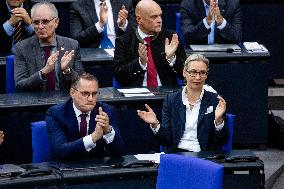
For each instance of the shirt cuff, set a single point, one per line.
(109, 137)
(224, 23)
(205, 23)
(219, 127)
(100, 30)
(9, 29)
(142, 66)
(123, 28)
(173, 61)
(156, 130)
(88, 143)
(30, 29)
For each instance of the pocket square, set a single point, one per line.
(209, 110)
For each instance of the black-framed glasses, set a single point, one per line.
(194, 73)
(43, 22)
(87, 94)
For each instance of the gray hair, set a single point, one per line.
(49, 5)
(196, 57)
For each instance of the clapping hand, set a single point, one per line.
(148, 116)
(171, 47)
(122, 16)
(220, 110)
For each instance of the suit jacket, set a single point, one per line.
(29, 59)
(5, 40)
(192, 12)
(83, 18)
(173, 123)
(64, 134)
(127, 70)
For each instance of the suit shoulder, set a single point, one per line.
(67, 39)
(24, 44)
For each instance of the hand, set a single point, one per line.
(103, 14)
(210, 16)
(97, 134)
(148, 117)
(142, 51)
(102, 120)
(218, 16)
(171, 47)
(122, 16)
(14, 20)
(22, 14)
(49, 66)
(1, 137)
(65, 60)
(220, 110)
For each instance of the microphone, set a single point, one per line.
(229, 50)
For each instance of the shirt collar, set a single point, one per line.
(184, 97)
(142, 34)
(78, 112)
(53, 43)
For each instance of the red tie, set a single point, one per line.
(151, 69)
(17, 33)
(83, 125)
(50, 84)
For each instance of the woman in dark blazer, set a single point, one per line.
(192, 119)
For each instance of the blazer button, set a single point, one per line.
(134, 73)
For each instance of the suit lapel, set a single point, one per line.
(37, 54)
(200, 9)
(205, 103)
(72, 122)
(181, 109)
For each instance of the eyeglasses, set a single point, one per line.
(43, 22)
(194, 73)
(87, 94)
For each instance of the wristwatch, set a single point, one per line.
(67, 72)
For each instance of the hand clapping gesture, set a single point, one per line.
(142, 51)
(66, 59)
(171, 47)
(148, 116)
(122, 16)
(103, 14)
(220, 110)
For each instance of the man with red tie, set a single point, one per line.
(46, 61)
(149, 56)
(82, 127)
(15, 23)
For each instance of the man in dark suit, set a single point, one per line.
(46, 61)
(83, 127)
(161, 58)
(199, 17)
(89, 20)
(14, 18)
(192, 119)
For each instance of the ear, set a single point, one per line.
(72, 92)
(184, 73)
(56, 22)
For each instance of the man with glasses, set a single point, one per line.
(83, 127)
(46, 61)
(15, 23)
(192, 119)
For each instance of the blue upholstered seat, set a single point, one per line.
(10, 81)
(40, 142)
(185, 172)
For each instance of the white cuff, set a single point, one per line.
(109, 137)
(155, 130)
(123, 28)
(224, 23)
(206, 24)
(100, 30)
(219, 127)
(88, 143)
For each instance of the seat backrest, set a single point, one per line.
(10, 81)
(184, 172)
(230, 123)
(178, 29)
(40, 142)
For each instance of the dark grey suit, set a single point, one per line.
(83, 18)
(192, 12)
(29, 60)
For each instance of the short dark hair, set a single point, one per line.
(83, 75)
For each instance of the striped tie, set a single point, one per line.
(17, 35)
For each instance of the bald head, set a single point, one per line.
(149, 16)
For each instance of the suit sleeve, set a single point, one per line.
(192, 30)
(233, 29)
(84, 33)
(117, 146)
(165, 134)
(125, 68)
(24, 81)
(62, 149)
